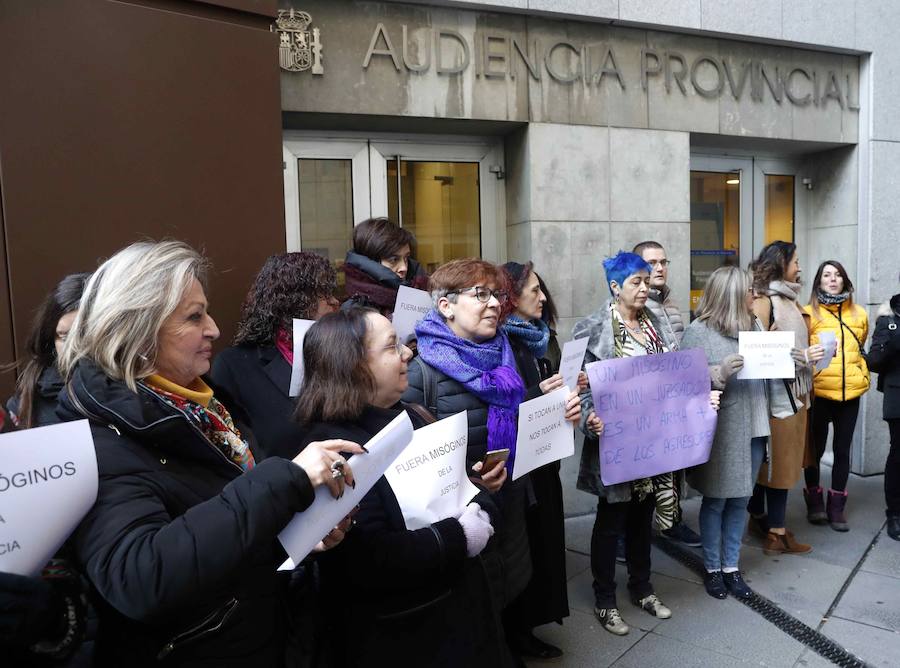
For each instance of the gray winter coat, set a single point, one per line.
(661, 305)
(729, 471)
(599, 327)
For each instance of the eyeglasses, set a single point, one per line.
(484, 294)
(398, 347)
(661, 263)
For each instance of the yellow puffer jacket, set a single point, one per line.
(847, 376)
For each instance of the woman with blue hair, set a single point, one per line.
(623, 327)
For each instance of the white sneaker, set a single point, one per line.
(654, 606)
(612, 621)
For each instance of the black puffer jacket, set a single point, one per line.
(509, 563)
(411, 597)
(181, 545)
(884, 356)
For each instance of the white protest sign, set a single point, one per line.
(301, 327)
(429, 478)
(571, 360)
(766, 354)
(411, 306)
(305, 531)
(544, 433)
(48, 483)
(828, 341)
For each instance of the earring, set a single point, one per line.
(451, 316)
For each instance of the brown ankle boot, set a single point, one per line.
(784, 544)
(815, 505)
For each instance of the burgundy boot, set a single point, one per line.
(836, 518)
(815, 505)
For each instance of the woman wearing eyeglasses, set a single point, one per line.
(393, 589)
(466, 363)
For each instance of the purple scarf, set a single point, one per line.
(486, 369)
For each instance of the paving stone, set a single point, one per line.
(871, 599)
(878, 647)
(723, 626)
(800, 585)
(884, 559)
(654, 650)
(584, 642)
(576, 564)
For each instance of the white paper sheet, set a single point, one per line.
(544, 433)
(301, 327)
(766, 354)
(571, 361)
(412, 305)
(305, 531)
(429, 478)
(829, 342)
(48, 483)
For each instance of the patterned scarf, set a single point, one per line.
(486, 369)
(213, 420)
(534, 334)
(627, 345)
(828, 298)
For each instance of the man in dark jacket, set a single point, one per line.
(884, 359)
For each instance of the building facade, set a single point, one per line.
(561, 132)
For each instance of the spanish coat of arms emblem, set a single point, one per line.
(299, 48)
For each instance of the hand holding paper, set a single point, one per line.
(305, 531)
(828, 342)
(545, 434)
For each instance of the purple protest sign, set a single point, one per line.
(656, 414)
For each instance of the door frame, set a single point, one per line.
(369, 153)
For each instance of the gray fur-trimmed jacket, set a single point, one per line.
(599, 327)
(660, 304)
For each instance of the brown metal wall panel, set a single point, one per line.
(7, 351)
(123, 121)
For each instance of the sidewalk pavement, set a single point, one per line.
(848, 588)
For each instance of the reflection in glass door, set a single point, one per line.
(326, 209)
(779, 207)
(439, 204)
(715, 226)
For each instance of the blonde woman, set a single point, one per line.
(180, 547)
(726, 480)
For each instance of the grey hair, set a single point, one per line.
(722, 304)
(451, 295)
(125, 303)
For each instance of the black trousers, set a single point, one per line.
(634, 520)
(842, 414)
(892, 471)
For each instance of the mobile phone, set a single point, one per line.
(493, 457)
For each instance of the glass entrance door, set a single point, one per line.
(447, 191)
(738, 206)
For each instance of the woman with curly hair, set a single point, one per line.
(256, 370)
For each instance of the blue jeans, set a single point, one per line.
(722, 521)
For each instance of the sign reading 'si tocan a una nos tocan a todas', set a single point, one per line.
(395, 59)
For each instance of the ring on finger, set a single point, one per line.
(336, 473)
